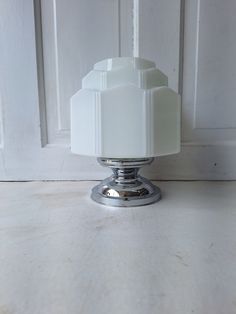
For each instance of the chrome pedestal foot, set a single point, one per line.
(125, 187)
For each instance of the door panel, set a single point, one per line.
(215, 92)
(76, 34)
(209, 111)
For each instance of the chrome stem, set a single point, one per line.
(125, 187)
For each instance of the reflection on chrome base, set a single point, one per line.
(125, 187)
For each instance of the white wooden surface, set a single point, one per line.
(191, 41)
(77, 34)
(62, 253)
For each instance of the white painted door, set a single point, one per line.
(47, 46)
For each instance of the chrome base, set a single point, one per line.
(125, 187)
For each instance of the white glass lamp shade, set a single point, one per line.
(125, 110)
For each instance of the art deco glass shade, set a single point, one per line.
(125, 110)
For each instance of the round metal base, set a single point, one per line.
(125, 188)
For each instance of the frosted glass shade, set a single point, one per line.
(125, 110)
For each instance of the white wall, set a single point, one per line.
(47, 46)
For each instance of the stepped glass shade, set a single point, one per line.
(125, 112)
